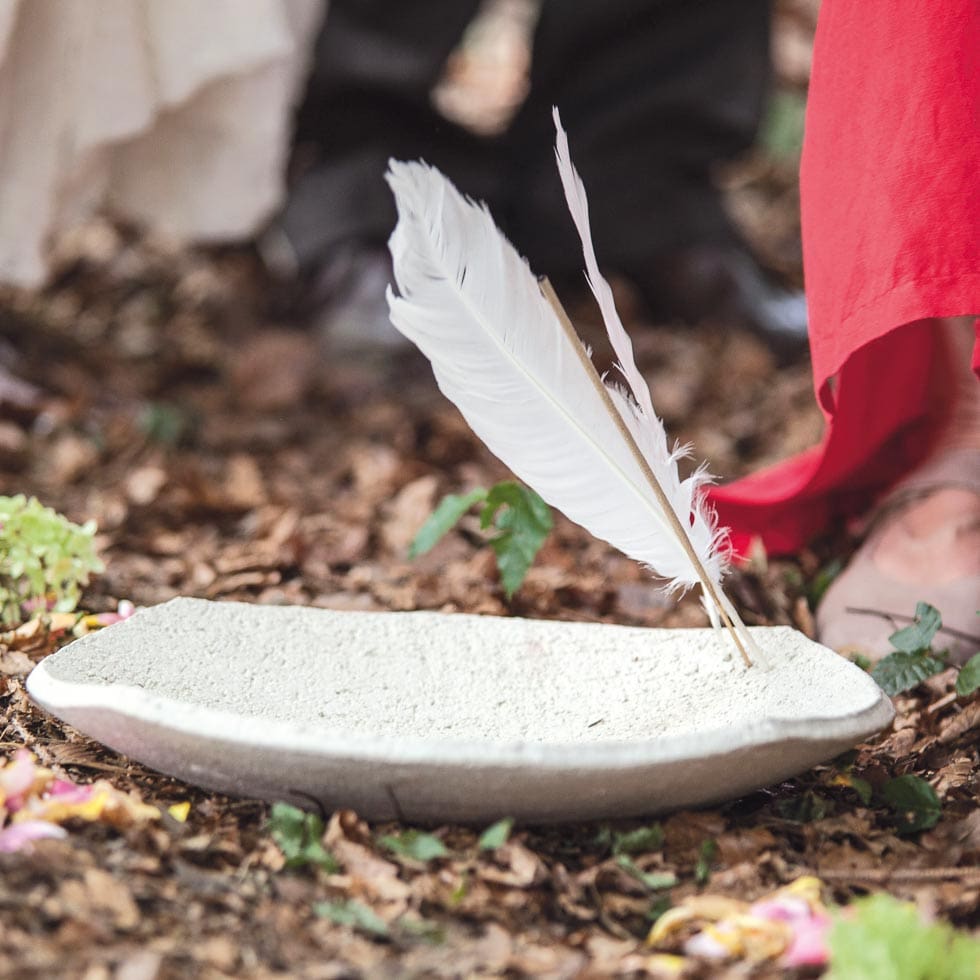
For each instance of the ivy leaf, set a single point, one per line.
(902, 671)
(524, 522)
(496, 835)
(416, 845)
(442, 520)
(915, 802)
(969, 677)
(919, 635)
(298, 835)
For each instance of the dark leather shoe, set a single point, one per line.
(724, 283)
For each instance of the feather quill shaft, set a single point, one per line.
(501, 353)
(578, 206)
(713, 594)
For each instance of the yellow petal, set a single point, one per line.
(665, 964)
(807, 888)
(711, 908)
(180, 811)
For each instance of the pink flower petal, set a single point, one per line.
(782, 909)
(19, 836)
(809, 945)
(65, 791)
(124, 610)
(16, 779)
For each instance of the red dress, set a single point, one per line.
(890, 191)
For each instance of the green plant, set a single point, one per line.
(652, 880)
(642, 840)
(968, 679)
(881, 937)
(521, 517)
(44, 559)
(299, 836)
(414, 844)
(165, 423)
(914, 801)
(496, 835)
(914, 659)
(707, 853)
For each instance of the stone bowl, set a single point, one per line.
(429, 717)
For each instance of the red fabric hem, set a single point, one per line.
(906, 302)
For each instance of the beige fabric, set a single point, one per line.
(175, 113)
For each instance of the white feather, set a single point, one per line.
(578, 206)
(500, 353)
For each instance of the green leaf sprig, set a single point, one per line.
(914, 801)
(415, 845)
(522, 520)
(914, 659)
(299, 836)
(45, 559)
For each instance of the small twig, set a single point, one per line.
(393, 800)
(97, 766)
(896, 618)
(941, 703)
(882, 876)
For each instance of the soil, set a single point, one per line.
(228, 455)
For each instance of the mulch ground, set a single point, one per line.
(228, 455)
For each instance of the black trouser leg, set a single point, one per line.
(368, 99)
(653, 94)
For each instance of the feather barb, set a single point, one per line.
(706, 583)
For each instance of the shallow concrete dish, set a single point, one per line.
(432, 717)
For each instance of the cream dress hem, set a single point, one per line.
(173, 113)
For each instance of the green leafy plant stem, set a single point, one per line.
(521, 518)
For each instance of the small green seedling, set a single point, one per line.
(299, 836)
(642, 840)
(45, 559)
(654, 881)
(915, 803)
(521, 518)
(496, 835)
(414, 844)
(707, 853)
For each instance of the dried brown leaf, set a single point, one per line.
(513, 865)
(960, 723)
